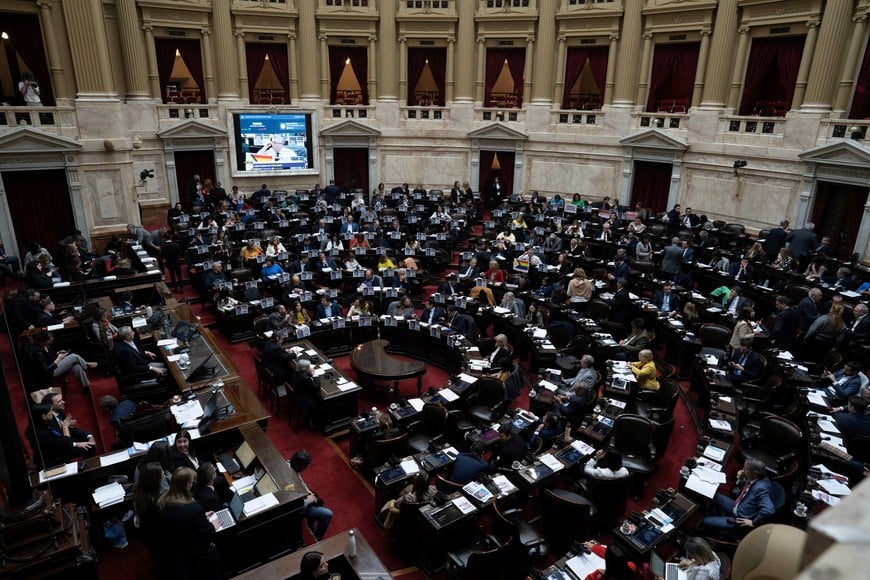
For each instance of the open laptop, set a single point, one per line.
(230, 515)
(666, 570)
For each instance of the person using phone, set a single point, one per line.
(29, 90)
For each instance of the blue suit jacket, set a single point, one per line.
(751, 368)
(850, 387)
(757, 504)
(853, 424)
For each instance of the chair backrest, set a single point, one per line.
(714, 335)
(514, 384)
(261, 324)
(433, 418)
(610, 497)
(444, 485)
(380, 450)
(489, 564)
(779, 435)
(667, 395)
(490, 392)
(565, 518)
(597, 309)
(662, 435)
(632, 434)
(147, 427)
(796, 292)
(560, 335)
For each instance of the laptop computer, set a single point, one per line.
(666, 570)
(230, 515)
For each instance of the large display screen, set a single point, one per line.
(273, 143)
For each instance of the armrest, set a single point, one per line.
(782, 459)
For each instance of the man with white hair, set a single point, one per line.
(131, 360)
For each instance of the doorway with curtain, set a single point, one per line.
(188, 164)
(837, 213)
(351, 168)
(496, 164)
(650, 185)
(40, 208)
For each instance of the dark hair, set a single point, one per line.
(41, 409)
(746, 342)
(784, 300)
(745, 313)
(638, 323)
(310, 563)
(300, 460)
(205, 473)
(158, 453)
(699, 550)
(612, 460)
(616, 563)
(420, 486)
(148, 487)
(478, 447)
(858, 403)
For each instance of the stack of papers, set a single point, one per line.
(550, 461)
(108, 494)
(409, 466)
(478, 491)
(504, 485)
(834, 487)
(816, 398)
(585, 564)
(583, 447)
(827, 498)
(187, 412)
(463, 504)
(261, 503)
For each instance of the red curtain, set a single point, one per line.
(40, 207)
(771, 72)
(575, 62)
(673, 73)
(255, 60)
(417, 58)
(165, 49)
(506, 161)
(192, 57)
(861, 99)
(652, 181)
(25, 38)
(280, 62)
(837, 212)
(351, 167)
(495, 59)
(338, 55)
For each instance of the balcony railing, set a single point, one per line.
(425, 113)
(844, 129)
(660, 120)
(349, 111)
(577, 118)
(58, 120)
(500, 114)
(773, 126)
(187, 111)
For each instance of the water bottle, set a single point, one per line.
(350, 552)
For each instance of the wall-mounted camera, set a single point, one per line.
(739, 164)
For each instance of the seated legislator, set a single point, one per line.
(503, 351)
(433, 314)
(401, 307)
(606, 465)
(187, 531)
(58, 442)
(277, 360)
(271, 269)
(51, 364)
(636, 341)
(853, 421)
(511, 447)
(847, 381)
(299, 315)
(214, 277)
(131, 360)
(314, 566)
(752, 505)
(328, 308)
(645, 371)
(574, 406)
(666, 301)
(118, 411)
(701, 562)
(470, 464)
(316, 515)
(449, 286)
(461, 323)
(745, 364)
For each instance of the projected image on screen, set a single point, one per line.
(273, 142)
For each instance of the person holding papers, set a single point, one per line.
(617, 566)
(645, 371)
(316, 516)
(700, 563)
(187, 535)
(752, 505)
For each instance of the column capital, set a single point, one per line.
(323, 37)
(613, 36)
(481, 39)
(706, 31)
(205, 32)
(291, 36)
(403, 39)
(451, 40)
(44, 3)
(530, 39)
(744, 29)
(647, 35)
(373, 37)
(148, 27)
(859, 18)
(813, 23)
(563, 39)
(239, 33)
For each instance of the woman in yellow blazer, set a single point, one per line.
(645, 371)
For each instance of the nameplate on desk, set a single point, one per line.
(303, 331)
(413, 324)
(105, 278)
(170, 342)
(54, 327)
(58, 472)
(259, 504)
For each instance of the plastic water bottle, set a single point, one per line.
(350, 552)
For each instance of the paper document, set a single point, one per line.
(467, 378)
(478, 491)
(550, 461)
(186, 412)
(71, 469)
(714, 453)
(448, 395)
(409, 466)
(463, 504)
(113, 458)
(834, 487)
(109, 494)
(170, 342)
(583, 447)
(709, 475)
(585, 564)
(261, 503)
(417, 403)
(702, 487)
(348, 386)
(504, 484)
(816, 398)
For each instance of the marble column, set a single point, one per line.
(722, 58)
(465, 45)
(242, 56)
(627, 67)
(528, 67)
(610, 78)
(703, 54)
(324, 68)
(404, 91)
(561, 57)
(844, 91)
(373, 69)
(293, 67)
(645, 63)
(311, 81)
(132, 51)
(227, 62)
(387, 48)
(449, 89)
(828, 57)
(89, 48)
(58, 81)
(546, 39)
(151, 52)
(207, 67)
(800, 86)
(481, 70)
(739, 68)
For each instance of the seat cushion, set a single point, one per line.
(637, 464)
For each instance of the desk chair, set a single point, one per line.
(487, 402)
(485, 559)
(658, 405)
(714, 336)
(529, 545)
(565, 517)
(633, 438)
(276, 391)
(777, 445)
(380, 450)
(432, 424)
(610, 498)
(446, 486)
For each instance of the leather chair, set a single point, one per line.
(859, 448)
(529, 545)
(777, 445)
(515, 383)
(261, 373)
(659, 405)
(380, 450)
(714, 336)
(241, 274)
(610, 497)
(767, 397)
(446, 486)
(662, 434)
(276, 391)
(565, 517)
(597, 310)
(140, 386)
(147, 427)
(633, 437)
(796, 292)
(432, 423)
(485, 559)
(487, 402)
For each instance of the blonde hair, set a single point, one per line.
(183, 479)
(580, 273)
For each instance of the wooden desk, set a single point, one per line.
(65, 295)
(365, 565)
(371, 361)
(679, 507)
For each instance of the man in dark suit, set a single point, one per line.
(461, 323)
(752, 505)
(620, 305)
(307, 389)
(577, 404)
(303, 264)
(858, 330)
(433, 313)
(775, 241)
(371, 280)
(331, 192)
(846, 382)
(787, 325)
(131, 360)
(690, 220)
(204, 491)
(58, 405)
(450, 286)
(512, 447)
(55, 445)
(277, 360)
(672, 258)
(674, 221)
(801, 242)
(808, 308)
(745, 364)
(469, 465)
(688, 252)
(735, 301)
(328, 308)
(854, 420)
(666, 301)
(742, 271)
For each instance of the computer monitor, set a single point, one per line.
(245, 454)
(266, 485)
